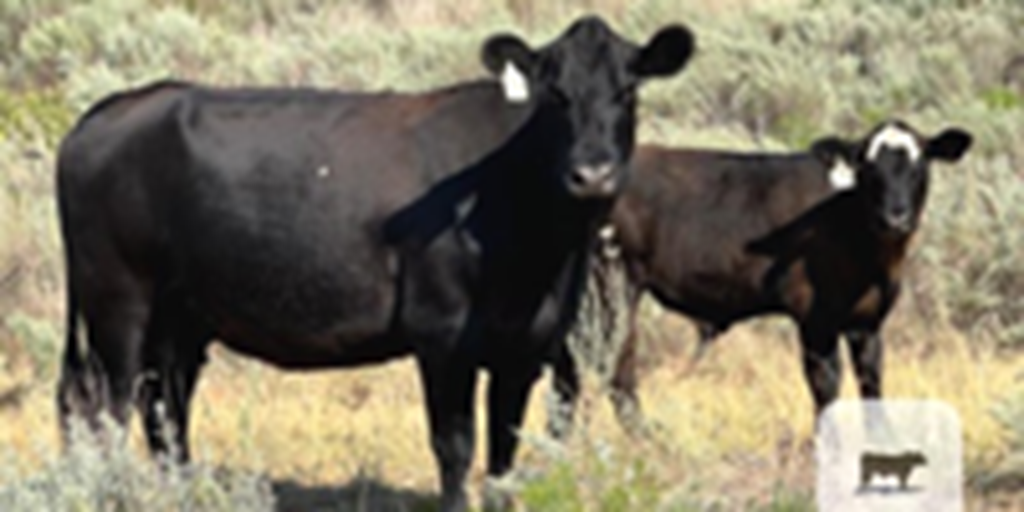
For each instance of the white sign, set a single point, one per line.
(889, 455)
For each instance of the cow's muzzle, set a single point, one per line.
(595, 180)
(901, 222)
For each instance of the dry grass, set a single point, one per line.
(341, 439)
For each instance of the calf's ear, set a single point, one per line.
(949, 145)
(831, 149)
(666, 53)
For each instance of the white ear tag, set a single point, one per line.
(841, 176)
(514, 84)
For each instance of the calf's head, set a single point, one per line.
(891, 169)
(585, 84)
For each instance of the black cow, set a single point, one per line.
(317, 229)
(722, 237)
(900, 465)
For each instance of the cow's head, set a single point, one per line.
(915, 458)
(890, 169)
(585, 83)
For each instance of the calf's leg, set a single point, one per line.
(624, 385)
(866, 354)
(821, 364)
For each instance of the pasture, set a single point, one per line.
(731, 432)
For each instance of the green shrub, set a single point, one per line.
(1008, 472)
(101, 474)
(38, 338)
(597, 480)
(557, 491)
(786, 500)
(34, 115)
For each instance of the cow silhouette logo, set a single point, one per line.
(883, 465)
(889, 456)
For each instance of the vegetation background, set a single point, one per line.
(770, 74)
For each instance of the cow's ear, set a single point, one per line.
(510, 59)
(949, 145)
(832, 149)
(666, 53)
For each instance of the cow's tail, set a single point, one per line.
(71, 365)
(73, 358)
(81, 391)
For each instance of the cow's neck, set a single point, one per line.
(892, 254)
(536, 200)
(527, 220)
(887, 251)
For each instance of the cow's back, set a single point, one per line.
(103, 205)
(268, 208)
(688, 218)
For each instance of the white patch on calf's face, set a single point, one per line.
(517, 90)
(841, 176)
(894, 137)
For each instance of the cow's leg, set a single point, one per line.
(821, 364)
(866, 354)
(567, 390)
(624, 384)
(449, 380)
(174, 354)
(165, 405)
(625, 380)
(507, 397)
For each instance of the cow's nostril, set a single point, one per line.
(577, 178)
